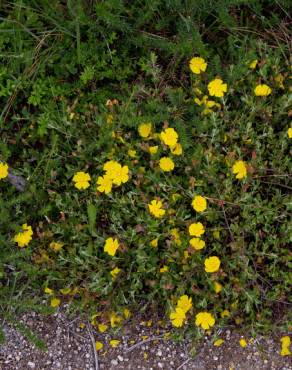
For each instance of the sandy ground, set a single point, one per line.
(70, 347)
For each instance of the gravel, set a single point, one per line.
(70, 347)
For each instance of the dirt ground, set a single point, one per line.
(142, 346)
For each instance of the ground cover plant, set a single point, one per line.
(145, 158)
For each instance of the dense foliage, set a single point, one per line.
(77, 81)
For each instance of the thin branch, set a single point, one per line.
(184, 363)
(93, 347)
(143, 342)
(227, 223)
(276, 184)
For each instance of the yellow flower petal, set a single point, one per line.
(114, 343)
(55, 302)
(218, 342)
(98, 345)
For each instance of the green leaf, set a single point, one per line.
(91, 213)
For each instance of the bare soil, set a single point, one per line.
(70, 347)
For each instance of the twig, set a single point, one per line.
(218, 200)
(276, 184)
(227, 223)
(184, 363)
(143, 342)
(94, 348)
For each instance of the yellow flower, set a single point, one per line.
(175, 233)
(164, 269)
(81, 180)
(217, 88)
(111, 246)
(115, 272)
(218, 342)
(55, 302)
(225, 313)
(122, 175)
(102, 328)
(216, 234)
(65, 291)
(23, 238)
(177, 149)
(175, 197)
(155, 208)
(279, 80)
(285, 341)
(262, 90)
(217, 287)
(3, 170)
(197, 243)
(239, 168)
(153, 149)
(169, 136)
(198, 65)
(93, 317)
(111, 168)
(154, 243)
(199, 203)
(166, 164)
(185, 303)
(196, 229)
(205, 320)
(132, 153)
(126, 313)
(145, 129)
(242, 343)
(115, 319)
(177, 317)
(198, 91)
(212, 264)
(56, 246)
(289, 133)
(109, 119)
(198, 101)
(98, 345)
(114, 343)
(104, 184)
(253, 64)
(48, 290)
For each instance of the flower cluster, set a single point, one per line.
(24, 237)
(115, 174)
(178, 316)
(196, 230)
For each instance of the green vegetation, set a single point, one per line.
(77, 80)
